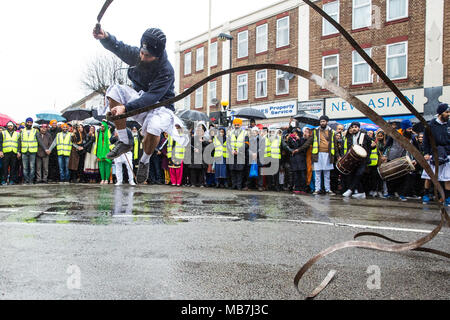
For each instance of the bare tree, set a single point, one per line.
(104, 71)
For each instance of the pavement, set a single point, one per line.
(75, 242)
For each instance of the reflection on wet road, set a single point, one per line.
(103, 205)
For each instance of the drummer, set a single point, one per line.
(404, 185)
(355, 137)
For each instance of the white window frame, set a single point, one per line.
(396, 18)
(187, 66)
(280, 74)
(199, 98)
(258, 81)
(279, 30)
(329, 67)
(354, 55)
(242, 84)
(242, 42)
(200, 59)
(387, 59)
(212, 93)
(266, 40)
(187, 101)
(353, 15)
(325, 22)
(213, 55)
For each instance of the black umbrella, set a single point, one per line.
(418, 126)
(42, 121)
(131, 124)
(308, 119)
(250, 113)
(193, 115)
(77, 114)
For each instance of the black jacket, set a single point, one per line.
(441, 135)
(298, 160)
(157, 83)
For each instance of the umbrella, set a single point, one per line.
(250, 113)
(42, 121)
(418, 126)
(333, 124)
(131, 124)
(308, 119)
(369, 127)
(91, 122)
(4, 119)
(77, 114)
(193, 115)
(50, 115)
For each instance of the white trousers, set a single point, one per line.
(326, 178)
(119, 162)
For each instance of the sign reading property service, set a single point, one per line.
(385, 104)
(274, 110)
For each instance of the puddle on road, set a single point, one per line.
(102, 206)
(87, 204)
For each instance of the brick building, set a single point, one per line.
(406, 38)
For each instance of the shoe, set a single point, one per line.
(359, 196)
(118, 150)
(373, 194)
(4, 183)
(260, 189)
(402, 198)
(414, 198)
(11, 183)
(118, 184)
(331, 193)
(132, 183)
(347, 193)
(380, 194)
(316, 193)
(447, 202)
(142, 172)
(426, 199)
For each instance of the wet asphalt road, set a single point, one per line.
(106, 242)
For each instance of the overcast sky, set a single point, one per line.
(46, 44)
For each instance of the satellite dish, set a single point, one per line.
(215, 101)
(288, 76)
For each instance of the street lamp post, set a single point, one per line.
(225, 37)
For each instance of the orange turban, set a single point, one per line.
(53, 121)
(237, 121)
(64, 125)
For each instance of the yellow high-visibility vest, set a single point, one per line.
(220, 150)
(237, 142)
(275, 150)
(64, 144)
(29, 141)
(267, 153)
(374, 158)
(136, 148)
(315, 149)
(179, 150)
(10, 142)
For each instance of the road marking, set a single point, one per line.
(9, 210)
(50, 213)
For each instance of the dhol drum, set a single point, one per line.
(351, 160)
(396, 168)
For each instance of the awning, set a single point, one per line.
(367, 120)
